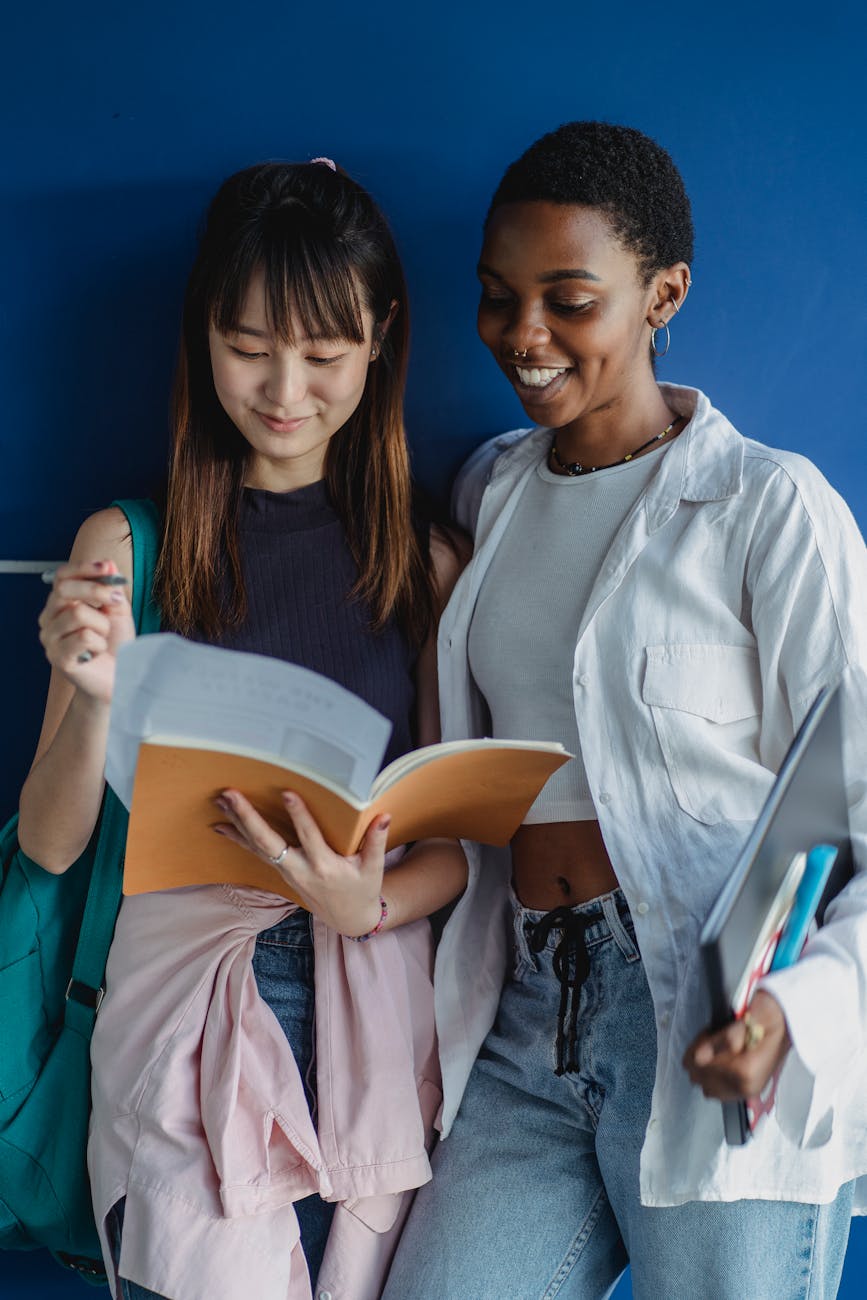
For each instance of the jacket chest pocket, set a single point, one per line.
(706, 703)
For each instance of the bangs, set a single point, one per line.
(310, 285)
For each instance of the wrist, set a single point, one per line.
(382, 915)
(92, 709)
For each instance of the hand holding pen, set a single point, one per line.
(86, 617)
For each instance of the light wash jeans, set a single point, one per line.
(535, 1191)
(283, 966)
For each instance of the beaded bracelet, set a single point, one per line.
(363, 938)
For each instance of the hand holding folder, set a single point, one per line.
(787, 949)
(797, 857)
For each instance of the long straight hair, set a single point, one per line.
(326, 254)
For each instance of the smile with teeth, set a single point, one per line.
(537, 377)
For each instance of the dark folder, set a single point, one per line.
(806, 806)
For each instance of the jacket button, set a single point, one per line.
(605, 797)
(642, 909)
(584, 679)
(323, 1295)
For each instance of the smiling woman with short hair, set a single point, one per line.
(666, 598)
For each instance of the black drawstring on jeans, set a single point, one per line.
(573, 926)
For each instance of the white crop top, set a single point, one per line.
(525, 623)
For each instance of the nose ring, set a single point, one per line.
(522, 355)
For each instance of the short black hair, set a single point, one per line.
(619, 171)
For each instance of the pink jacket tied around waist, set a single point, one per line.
(199, 1113)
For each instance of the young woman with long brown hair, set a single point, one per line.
(289, 530)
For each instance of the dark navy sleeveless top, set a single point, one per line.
(299, 572)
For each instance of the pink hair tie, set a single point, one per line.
(327, 161)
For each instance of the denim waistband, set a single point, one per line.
(294, 931)
(603, 917)
(568, 935)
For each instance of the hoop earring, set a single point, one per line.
(653, 348)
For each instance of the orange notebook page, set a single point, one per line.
(481, 794)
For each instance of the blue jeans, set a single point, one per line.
(535, 1193)
(283, 966)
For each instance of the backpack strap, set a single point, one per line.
(145, 529)
(85, 990)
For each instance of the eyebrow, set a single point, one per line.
(549, 277)
(248, 329)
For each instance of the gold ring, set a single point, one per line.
(754, 1032)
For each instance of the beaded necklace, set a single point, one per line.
(574, 468)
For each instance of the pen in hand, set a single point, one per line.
(104, 579)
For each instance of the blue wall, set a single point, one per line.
(119, 120)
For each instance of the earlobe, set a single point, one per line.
(376, 345)
(655, 350)
(670, 290)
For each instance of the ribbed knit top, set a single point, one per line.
(525, 624)
(299, 572)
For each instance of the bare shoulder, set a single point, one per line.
(450, 552)
(104, 536)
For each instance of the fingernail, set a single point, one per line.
(289, 798)
(99, 565)
(117, 598)
(385, 821)
(222, 803)
(219, 830)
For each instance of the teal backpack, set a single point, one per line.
(55, 933)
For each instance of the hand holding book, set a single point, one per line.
(190, 722)
(732, 1065)
(344, 892)
(797, 857)
(741, 1062)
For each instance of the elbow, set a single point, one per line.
(53, 868)
(42, 855)
(38, 847)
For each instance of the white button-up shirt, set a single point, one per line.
(735, 589)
